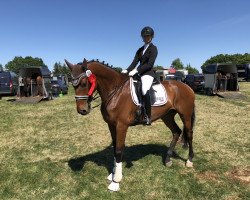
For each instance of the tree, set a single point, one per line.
(1, 67)
(226, 58)
(119, 69)
(61, 69)
(158, 67)
(177, 64)
(18, 62)
(191, 70)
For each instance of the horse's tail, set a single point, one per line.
(193, 118)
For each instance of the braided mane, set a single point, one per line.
(97, 60)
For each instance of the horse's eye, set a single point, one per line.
(84, 84)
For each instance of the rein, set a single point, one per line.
(112, 94)
(94, 98)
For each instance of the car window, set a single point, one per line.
(4, 77)
(189, 78)
(60, 82)
(54, 82)
(199, 78)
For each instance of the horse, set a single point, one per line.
(27, 86)
(39, 81)
(119, 111)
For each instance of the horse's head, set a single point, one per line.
(81, 85)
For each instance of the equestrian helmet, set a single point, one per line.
(147, 31)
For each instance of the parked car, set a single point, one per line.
(59, 86)
(8, 83)
(173, 77)
(195, 81)
(63, 77)
(243, 72)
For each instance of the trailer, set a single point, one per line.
(222, 80)
(34, 84)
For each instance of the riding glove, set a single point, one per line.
(124, 71)
(133, 72)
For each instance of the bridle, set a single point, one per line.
(75, 82)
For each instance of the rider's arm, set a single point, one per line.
(135, 61)
(149, 65)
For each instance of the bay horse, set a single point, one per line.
(119, 111)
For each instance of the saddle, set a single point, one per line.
(158, 95)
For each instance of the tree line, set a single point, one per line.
(227, 58)
(177, 64)
(18, 62)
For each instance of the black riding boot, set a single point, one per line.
(147, 109)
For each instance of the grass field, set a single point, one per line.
(48, 151)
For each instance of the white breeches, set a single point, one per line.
(146, 83)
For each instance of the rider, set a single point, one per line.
(146, 55)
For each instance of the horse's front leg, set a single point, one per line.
(121, 130)
(112, 130)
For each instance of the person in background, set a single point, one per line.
(218, 78)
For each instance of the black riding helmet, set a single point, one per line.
(146, 31)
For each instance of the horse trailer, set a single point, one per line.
(34, 84)
(220, 78)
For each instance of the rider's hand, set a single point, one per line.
(133, 72)
(124, 71)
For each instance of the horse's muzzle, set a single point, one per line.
(83, 112)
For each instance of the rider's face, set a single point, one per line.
(147, 39)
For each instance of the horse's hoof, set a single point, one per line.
(169, 163)
(189, 164)
(114, 187)
(110, 177)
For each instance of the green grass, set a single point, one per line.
(48, 151)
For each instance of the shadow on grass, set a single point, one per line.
(132, 153)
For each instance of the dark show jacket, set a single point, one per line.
(146, 61)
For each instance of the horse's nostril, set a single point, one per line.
(82, 112)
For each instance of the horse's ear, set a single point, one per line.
(84, 64)
(70, 66)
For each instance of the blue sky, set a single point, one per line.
(192, 30)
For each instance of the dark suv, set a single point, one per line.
(58, 87)
(8, 84)
(195, 81)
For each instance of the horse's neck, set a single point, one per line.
(107, 79)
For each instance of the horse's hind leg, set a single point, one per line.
(188, 136)
(169, 121)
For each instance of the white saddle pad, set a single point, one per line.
(160, 94)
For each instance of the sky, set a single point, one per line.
(192, 30)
